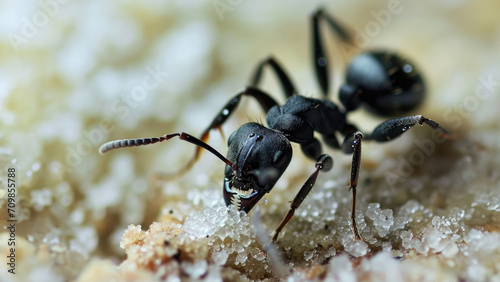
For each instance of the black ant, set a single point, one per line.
(257, 155)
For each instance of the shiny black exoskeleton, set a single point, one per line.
(257, 155)
(256, 169)
(382, 82)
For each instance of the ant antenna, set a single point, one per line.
(147, 141)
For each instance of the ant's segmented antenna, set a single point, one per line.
(146, 141)
(129, 143)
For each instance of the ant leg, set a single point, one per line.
(283, 78)
(352, 144)
(335, 26)
(265, 101)
(331, 141)
(325, 163)
(312, 150)
(319, 56)
(320, 59)
(393, 128)
(386, 131)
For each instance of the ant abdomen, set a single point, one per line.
(382, 82)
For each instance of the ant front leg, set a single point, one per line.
(265, 101)
(283, 78)
(325, 163)
(352, 144)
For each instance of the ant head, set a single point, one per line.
(259, 156)
(383, 82)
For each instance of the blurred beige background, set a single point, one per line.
(75, 74)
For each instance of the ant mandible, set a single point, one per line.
(380, 81)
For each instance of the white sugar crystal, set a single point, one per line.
(406, 237)
(410, 208)
(194, 269)
(104, 194)
(207, 198)
(450, 250)
(436, 240)
(386, 246)
(474, 236)
(258, 254)
(308, 255)
(53, 238)
(331, 252)
(241, 258)
(382, 219)
(420, 246)
(483, 243)
(41, 198)
(48, 274)
(384, 267)
(213, 273)
(354, 247)
(206, 223)
(400, 222)
(476, 272)
(373, 210)
(220, 258)
(77, 216)
(197, 226)
(64, 194)
(456, 215)
(385, 219)
(340, 269)
(360, 221)
(85, 241)
(245, 241)
(238, 248)
(264, 201)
